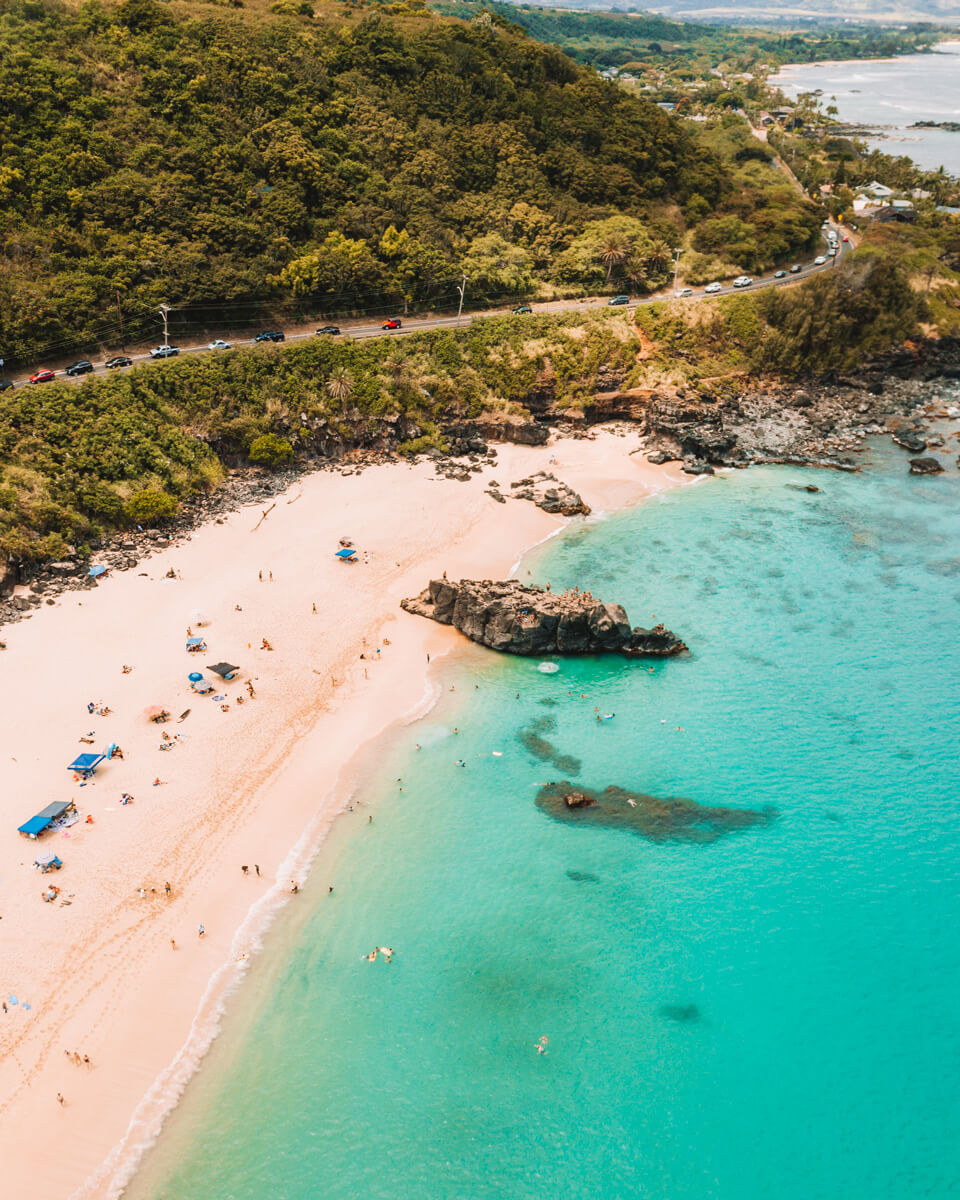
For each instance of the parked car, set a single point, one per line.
(819, 260)
(270, 335)
(219, 344)
(619, 300)
(120, 360)
(332, 330)
(796, 268)
(742, 281)
(846, 237)
(164, 351)
(779, 274)
(81, 367)
(519, 309)
(712, 288)
(6, 385)
(684, 292)
(42, 376)
(391, 323)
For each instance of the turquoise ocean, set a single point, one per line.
(731, 1013)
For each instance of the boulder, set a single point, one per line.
(518, 619)
(925, 466)
(910, 441)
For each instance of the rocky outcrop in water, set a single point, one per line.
(925, 466)
(517, 619)
(670, 819)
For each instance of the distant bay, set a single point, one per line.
(892, 93)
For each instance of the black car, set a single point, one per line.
(618, 300)
(779, 274)
(271, 335)
(522, 308)
(6, 385)
(81, 367)
(796, 268)
(332, 330)
(120, 361)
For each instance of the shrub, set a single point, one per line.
(268, 450)
(151, 507)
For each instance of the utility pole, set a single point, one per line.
(123, 344)
(461, 288)
(164, 310)
(676, 269)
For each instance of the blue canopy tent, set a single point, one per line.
(96, 571)
(195, 644)
(39, 823)
(86, 764)
(346, 555)
(34, 826)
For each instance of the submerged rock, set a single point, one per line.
(670, 819)
(686, 1014)
(532, 740)
(518, 619)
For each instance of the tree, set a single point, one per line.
(615, 253)
(268, 450)
(494, 265)
(340, 266)
(340, 386)
(151, 507)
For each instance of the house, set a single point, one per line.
(920, 194)
(865, 205)
(901, 205)
(878, 191)
(889, 213)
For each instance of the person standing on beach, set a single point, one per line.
(256, 867)
(60, 1099)
(200, 930)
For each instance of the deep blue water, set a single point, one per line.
(768, 1014)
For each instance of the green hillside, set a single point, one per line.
(241, 165)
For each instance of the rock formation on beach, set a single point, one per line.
(518, 619)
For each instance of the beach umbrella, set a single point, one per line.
(198, 617)
(195, 676)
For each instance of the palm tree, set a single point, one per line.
(614, 253)
(660, 255)
(340, 386)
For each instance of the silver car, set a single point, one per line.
(712, 288)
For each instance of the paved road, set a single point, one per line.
(362, 329)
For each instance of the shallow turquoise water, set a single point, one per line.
(771, 1014)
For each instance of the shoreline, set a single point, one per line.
(100, 975)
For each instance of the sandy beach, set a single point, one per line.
(114, 968)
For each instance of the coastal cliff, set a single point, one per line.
(518, 619)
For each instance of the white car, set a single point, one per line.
(742, 281)
(833, 251)
(712, 288)
(819, 260)
(684, 292)
(219, 344)
(164, 351)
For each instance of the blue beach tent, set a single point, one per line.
(34, 826)
(38, 824)
(194, 644)
(97, 571)
(346, 555)
(86, 764)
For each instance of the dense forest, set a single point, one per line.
(243, 166)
